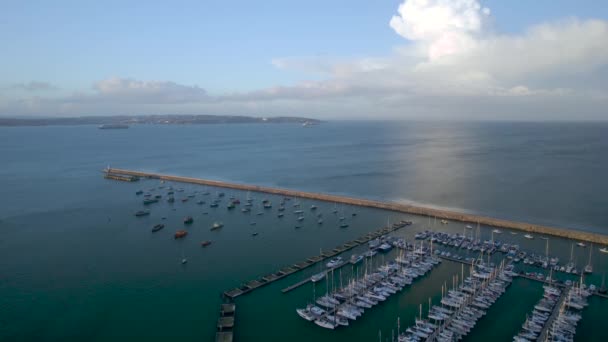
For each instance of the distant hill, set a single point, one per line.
(152, 119)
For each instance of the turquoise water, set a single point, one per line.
(75, 264)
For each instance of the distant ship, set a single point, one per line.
(112, 126)
(309, 123)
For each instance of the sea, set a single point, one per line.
(76, 264)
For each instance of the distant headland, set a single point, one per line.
(154, 119)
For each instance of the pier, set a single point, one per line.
(398, 207)
(286, 271)
(225, 323)
(549, 323)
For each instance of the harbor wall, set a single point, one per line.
(404, 208)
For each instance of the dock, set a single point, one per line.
(286, 271)
(398, 207)
(225, 323)
(554, 314)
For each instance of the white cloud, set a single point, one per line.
(136, 91)
(32, 86)
(446, 26)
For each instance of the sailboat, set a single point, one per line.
(589, 268)
(184, 260)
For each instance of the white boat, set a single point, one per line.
(324, 323)
(497, 231)
(306, 314)
(468, 226)
(528, 236)
(217, 225)
(335, 262)
(355, 259)
(604, 250)
(315, 278)
(581, 244)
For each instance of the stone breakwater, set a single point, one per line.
(398, 207)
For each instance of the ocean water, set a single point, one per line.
(75, 264)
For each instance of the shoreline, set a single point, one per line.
(398, 207)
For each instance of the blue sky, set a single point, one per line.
(224, 47)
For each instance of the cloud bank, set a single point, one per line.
(451, 65)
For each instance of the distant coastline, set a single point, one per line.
(153, 119)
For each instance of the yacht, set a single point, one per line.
(158, 227)
(335, 262)
(355, 259)
(306, 314)
(315, 278)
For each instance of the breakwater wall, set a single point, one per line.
(399, 207)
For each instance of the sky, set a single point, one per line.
(357, 59)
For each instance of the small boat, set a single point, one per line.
(604, 250)
(280, 215)
(158, 227)
(355, 259)
(200, 202)
(254, 234)
(217, 225)
(444, 222)
(497, 231)
(300, 218)
(313, 207)
(320, 221)
(184, 260)
(354, 214)
(468, 226)
(188, 220)
(139, 192)
(171, 199)
(180, 234)
(142, 213)
(528, 236)
(334, 262)
(150, 201)
(297, 226)
(581, 244)
(205, 243)
(315, 278)
(344, 225)
(185, 199)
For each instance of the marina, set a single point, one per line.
(398, 261)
